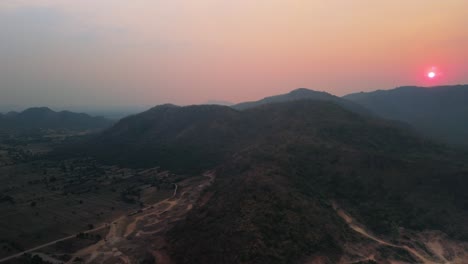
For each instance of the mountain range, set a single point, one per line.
(285, 166)
(280, 169)
(45, 118)
(439, 112)
(301, 94)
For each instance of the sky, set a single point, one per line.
(116, 53)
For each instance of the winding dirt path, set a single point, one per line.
(361, 230)
(137, 233)
(116, 228)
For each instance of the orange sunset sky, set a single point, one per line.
(146, 52)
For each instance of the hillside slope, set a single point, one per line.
(181, 139)
(271, 202)
(200, 137)
(279, 166)
(440, 112)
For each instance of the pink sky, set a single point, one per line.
(147, 52)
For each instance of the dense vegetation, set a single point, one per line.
(280, 165)
(182, 139)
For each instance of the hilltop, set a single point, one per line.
(302, 94)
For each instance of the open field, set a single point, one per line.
(42, 200)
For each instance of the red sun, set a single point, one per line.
(433, 73)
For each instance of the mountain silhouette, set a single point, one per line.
(301, 94)
(45, 118)
(440, 112)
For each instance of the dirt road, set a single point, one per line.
(135, 235)
(50, 244)
(361, 230)
(74, 236)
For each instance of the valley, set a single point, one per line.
(45, 200)
(127, 238)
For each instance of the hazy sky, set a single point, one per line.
(147, 52)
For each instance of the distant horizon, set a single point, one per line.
(106, 53)
(132, 109)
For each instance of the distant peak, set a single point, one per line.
(164, 106)
(306, 91)
(217, 102)
(38, 110)
(167, 106)
(301, 89)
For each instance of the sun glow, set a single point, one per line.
(431, 74)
